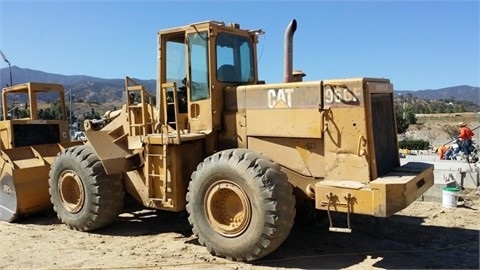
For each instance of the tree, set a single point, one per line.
(410, 117)
(402, 124)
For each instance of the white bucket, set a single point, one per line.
(450, 197)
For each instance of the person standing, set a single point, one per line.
(465, 137)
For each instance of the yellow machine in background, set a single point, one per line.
(32, 133)
(235, 152)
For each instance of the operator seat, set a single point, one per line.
(226, 73)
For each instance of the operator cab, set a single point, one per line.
(33, 114)
(202, 59)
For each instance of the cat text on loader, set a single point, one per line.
(33, 130)
(236, 152)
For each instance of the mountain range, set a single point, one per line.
(85, 88)
(92, 89)
(460, 92)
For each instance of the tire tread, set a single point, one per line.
(276, 195)
(105, 192)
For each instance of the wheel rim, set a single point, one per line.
(71, 191)
(228, 208)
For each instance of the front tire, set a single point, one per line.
(83, 195)
(240, 205)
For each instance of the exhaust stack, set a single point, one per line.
(288, 51)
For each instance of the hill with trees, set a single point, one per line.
(408, 106)
(83, 88)
(461, 92)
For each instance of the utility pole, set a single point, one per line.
(71, 96)
(9, 66)
(70, 102)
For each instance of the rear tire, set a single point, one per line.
(83, 195)
(240, 205)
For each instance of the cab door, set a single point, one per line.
(200, 114)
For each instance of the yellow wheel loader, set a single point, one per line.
(235, 152)
(33, 130)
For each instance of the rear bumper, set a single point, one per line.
(381, 197)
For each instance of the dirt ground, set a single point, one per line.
(424, 235)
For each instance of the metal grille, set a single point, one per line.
(384, 133)
(27, 134)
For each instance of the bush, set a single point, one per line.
(414, 144)
(402, 124)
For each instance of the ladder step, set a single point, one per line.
(134, 88)
(159, 157)
(155, 155)
(138, 125)
(341, 230)
(333, 200)
(156, 175)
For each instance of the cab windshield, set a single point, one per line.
(234, 59)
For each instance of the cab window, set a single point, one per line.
(234, 58)
(198, 48)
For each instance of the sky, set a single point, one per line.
(416, 44)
